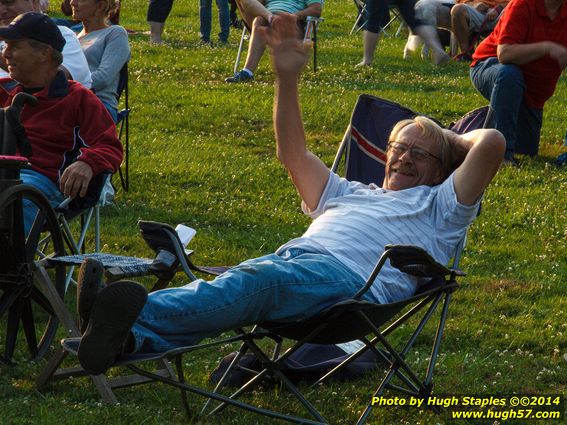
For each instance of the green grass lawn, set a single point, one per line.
(202, 153)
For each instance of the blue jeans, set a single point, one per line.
(205, 15)
(45, 186)
(503, 85)
(288, 287)
(112, 110)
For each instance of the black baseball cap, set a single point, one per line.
(36, 26)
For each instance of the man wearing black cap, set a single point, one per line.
(72, 136)
(74, 63)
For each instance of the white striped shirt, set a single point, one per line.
(353, 222)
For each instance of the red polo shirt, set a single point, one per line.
(524, 22)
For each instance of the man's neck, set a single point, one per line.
(40, 80)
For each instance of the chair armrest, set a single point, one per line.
(408, 259)
(72, 207)
(415, 261)
(170, 252)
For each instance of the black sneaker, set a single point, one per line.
(113, 314)
(239, 77)
(89, 284)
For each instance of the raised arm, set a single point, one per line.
(289, 55)
(483, 151)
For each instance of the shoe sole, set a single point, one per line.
(89, 284)
(113, 314)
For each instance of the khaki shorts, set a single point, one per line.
(476, 19)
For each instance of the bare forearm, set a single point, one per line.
(288, 125)
(484, 152)
(520, 54)
(308, 173)
(312, 10)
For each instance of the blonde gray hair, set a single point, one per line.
(434, 133)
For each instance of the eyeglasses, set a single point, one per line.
(417, 154)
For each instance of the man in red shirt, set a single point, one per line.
(517, 68)
(72, 136)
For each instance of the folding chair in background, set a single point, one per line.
(363, 154)
(362, 18)
(86, 210)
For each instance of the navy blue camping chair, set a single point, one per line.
(371, 324)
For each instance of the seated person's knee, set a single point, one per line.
(459, 10)
(510, 74)
(259, 21)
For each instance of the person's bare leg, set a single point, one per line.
(250, 9)
(413, 44)
(256, 46)
(156, 31)
(431, 38)
(460, 24)
(370, 41)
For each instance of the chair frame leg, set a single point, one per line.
(240, 48)
(222, 398)
(417, 387)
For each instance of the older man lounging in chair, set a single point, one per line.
(434, 180)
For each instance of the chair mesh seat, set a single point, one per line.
(131, 266)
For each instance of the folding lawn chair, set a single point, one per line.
(363, 149)
(85, 211)
(362, 17)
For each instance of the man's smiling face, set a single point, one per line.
(412, 161)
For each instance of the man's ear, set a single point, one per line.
(43, 55)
